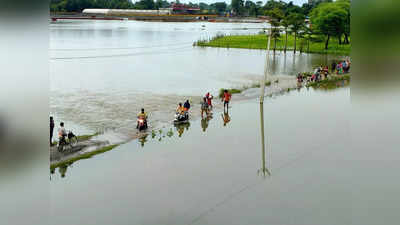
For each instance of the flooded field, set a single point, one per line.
(211, 171)
(215, 172)
(103, 72)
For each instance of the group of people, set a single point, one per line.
(62, 133)
(318, 74)
(322, 72)
(206, 105)
(341, 67)
(182, 110)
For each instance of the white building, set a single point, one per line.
(110, 12)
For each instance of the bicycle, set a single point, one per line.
(72, 141)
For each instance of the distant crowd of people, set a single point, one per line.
(322, 72)
(341, 67)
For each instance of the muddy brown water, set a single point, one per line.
(103, 72)
(212, 171)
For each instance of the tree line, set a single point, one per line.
(79, 5)
(239, 7)
(327, 19)
(251, 8)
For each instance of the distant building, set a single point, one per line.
(178, 8)
(111, 12)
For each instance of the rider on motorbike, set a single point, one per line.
(181, 112)
(142, 115)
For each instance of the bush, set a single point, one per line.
(232, 91)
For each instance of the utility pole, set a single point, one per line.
(266, 71)
(266, 68)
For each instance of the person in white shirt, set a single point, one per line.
(62, 133)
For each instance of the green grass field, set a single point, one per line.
(259, 41)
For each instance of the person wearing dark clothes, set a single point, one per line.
(186, 105)
(333, 67)
(51, 130)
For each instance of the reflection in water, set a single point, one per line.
(264, 169)
(180, 128)
(143, 140)
(204, 123)
(63, 170)
(328, 86)
(226, 118)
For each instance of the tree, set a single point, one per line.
(237, 6)
(203, 6)
(79, 5)
(290, 8)
(330, 20)
(297, 22)
(285, 23)
(220, 7)
(345, 4)
(276, 15)
(308, 34)
(271, 4)
(251, 8)
(307, 8)
(158, 4)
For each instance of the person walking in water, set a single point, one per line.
(51, 130)
(209, 97)
(226, 99)
(204, 107)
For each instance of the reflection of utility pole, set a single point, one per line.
(264, 170)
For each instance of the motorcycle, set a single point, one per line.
(181, 118)
(142, 124)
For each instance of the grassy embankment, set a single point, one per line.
(83, 156)
(259, 41)
(240, 90)
(81, 138)
(329, 83)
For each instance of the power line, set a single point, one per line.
(120, 48)
(124, 55)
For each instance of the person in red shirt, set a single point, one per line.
(226, 98)
(209, 97)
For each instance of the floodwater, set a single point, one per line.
(103, 72)
(215, 172)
